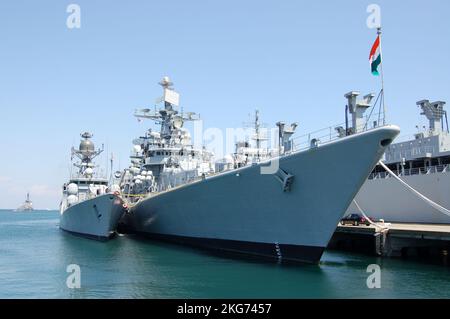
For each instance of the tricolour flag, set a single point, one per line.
(375, 56)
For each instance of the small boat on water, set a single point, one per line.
(27, 206)
(91, 207)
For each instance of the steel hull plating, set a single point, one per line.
(387, 199)
(248, 212)
(95, 218)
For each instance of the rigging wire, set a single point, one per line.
(435, 205)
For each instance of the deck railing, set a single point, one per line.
(331, 133)
(413, 171)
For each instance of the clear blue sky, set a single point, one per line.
(293, 60)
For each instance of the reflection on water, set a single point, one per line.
(34, 255)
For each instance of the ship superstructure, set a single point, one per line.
(251, 150)
(166, 159)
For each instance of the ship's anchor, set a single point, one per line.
(285, 179)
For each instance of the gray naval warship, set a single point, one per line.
(282, 204)
(27, 206)
(89, 206)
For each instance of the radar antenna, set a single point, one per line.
(169, 117)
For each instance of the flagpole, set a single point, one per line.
(382, 76)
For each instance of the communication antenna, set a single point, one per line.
(112, 167)
(258, 136)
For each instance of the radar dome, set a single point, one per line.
(89, 171)
(87, 146)
(137, 148)
(135, 170)
(72, 199)
(72, 189)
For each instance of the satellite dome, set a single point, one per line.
(89, 171)
(87, 146)
(135, 170)
(137, 149)
(72, 199)
(72, 189)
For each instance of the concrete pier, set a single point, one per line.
(395, 240)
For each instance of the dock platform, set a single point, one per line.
(395, 240)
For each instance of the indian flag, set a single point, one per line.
(375, 56)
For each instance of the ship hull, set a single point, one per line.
(244, 211)
(95, 218)
(386, 198)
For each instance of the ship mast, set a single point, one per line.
(168, 117)
(86, 153)
(382, 77)
(258, 139)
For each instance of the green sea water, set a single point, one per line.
(35, 253)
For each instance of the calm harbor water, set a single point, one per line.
(34, 255)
